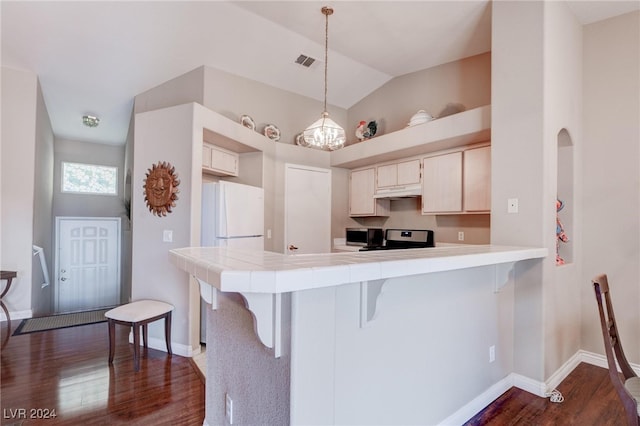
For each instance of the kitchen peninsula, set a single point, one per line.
(338, 338)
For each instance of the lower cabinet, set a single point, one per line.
(362, 185)
(219, 161)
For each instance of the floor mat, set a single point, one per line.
(32, 325)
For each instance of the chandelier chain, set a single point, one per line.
(327, 12)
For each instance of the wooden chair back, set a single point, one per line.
(613, 349)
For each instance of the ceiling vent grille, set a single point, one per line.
(305, 60)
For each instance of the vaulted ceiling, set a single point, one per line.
(94, 57)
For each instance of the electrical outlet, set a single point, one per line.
(512, 205)
(492, 353)
(460, 236)
(229, 408)
(268, 234)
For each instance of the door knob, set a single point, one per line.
(63, 279)
(292, 247)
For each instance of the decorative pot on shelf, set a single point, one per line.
(420, 117)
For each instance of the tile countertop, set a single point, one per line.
(236, 270)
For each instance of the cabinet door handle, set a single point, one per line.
(292, 247)
(63, 279)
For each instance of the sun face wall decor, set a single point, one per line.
(161, 188)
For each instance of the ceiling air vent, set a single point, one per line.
(305, 60)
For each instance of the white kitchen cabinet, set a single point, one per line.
(398, 174)
(362, 185)
(219, 161)
(457, 182)
(442, 183)
(477, 179)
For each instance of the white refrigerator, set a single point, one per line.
(232, 216)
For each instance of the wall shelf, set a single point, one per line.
(458, 130)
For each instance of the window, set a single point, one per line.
(89, 179)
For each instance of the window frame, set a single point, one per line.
(66, 191)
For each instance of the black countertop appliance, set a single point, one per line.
(405, 239)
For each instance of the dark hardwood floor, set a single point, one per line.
(67, 371)
(589, 399)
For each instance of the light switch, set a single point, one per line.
(167, 235)
(512, 205)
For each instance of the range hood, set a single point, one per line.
(404, 191)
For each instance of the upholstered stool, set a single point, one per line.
(136, 314)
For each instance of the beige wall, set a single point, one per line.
(517, 156)
(19, 108)
(166, 135)
(234, 96)
(466, 82)
(42, 297)
(188, 87)
(610, 177)
(68, 204)
(562, 112)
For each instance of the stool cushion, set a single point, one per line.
(139, 310)
(633, 386)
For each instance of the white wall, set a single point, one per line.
(419, 360)
(19, 106)
(611, 177)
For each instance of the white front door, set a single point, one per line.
(307, 209)
(87, 263)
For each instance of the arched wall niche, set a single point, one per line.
(566, 184)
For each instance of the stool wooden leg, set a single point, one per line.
(136, 347)
(167, 332)
(112, 339)
(144, 335)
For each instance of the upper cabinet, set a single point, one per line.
(362, 186)
(454, 131)
(477, 179)
(442, 183)
(219, 161)
(457, 182)
(398, 174)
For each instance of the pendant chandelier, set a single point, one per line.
(325, 133)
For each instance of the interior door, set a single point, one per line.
(307, 209)
(87, 263)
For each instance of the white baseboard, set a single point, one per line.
(527, 384)
(16, 315)
(479, 402)
(601, 361)
(176, 348)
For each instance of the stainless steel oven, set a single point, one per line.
(364, 237)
